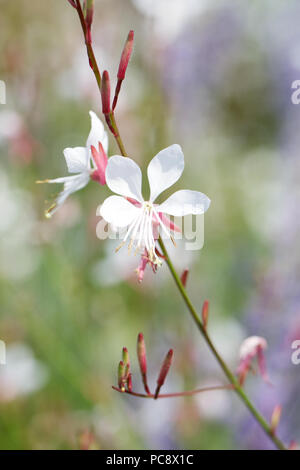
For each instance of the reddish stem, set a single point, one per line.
(178, 394)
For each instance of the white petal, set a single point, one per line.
(118, 211)
(71, 184)
(185, 202)
(165, 169)
(124, 177)
(76, 159)
(97, 133)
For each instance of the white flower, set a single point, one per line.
(124, 177)
(87, 162)
(250, 345)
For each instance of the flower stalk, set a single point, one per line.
(230, 376)
(188, 393)
(94, 66)
(233, 382)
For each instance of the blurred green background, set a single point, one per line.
(214, 77)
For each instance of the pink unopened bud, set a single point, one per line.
(121, 375)
(105, 93)
(141, 353)
(184, 277)
(125, 356)
(275, 418)
(89, 13)
(125, 57)
(205, 313)
(129, 382)
(252, 347)
(164, 372)
(100, 159)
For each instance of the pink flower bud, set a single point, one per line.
(88, 20)
(275, 418)
(141, 354)
(205, 312)
(164, 371)
(184, 276)
(100, 159)
(105, 93)
(125, 356)
(129, 382)
(125, 57)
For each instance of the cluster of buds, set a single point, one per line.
(252, 348)
(125, 376)
(105, 84)
(86, 13)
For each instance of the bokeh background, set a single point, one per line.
(214, 76)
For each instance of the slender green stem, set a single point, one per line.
(117, 134)
(95, 68)
(230, 376)
(89, 47)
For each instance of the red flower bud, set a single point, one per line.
(125, 357)
(184, 277)
(125, 57)
(205, 312)
(164, 372)
(105, 93)
(88, 20)
(141, 354)
(100, 159)
(129, 382)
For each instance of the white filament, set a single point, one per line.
(140, 232)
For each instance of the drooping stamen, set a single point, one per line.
(135, 223)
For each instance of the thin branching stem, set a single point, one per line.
(230, 376)
(95, 68)
(177, 394)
